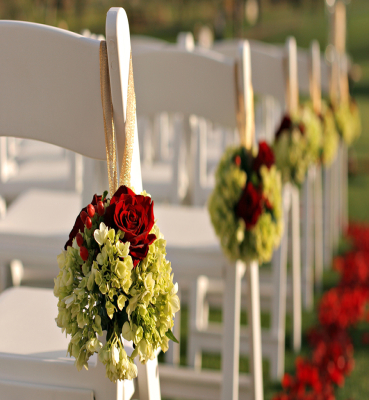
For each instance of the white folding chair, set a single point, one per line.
(204, 85)
(67, 112)
(37, 165)
(268, 64)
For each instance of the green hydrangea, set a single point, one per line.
(238, 242)
(347, 116)
(106, 293)
(330, 135)
(298, 145)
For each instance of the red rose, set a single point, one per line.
(249, 206)
(302, 128)
(134, 215)
(265, 157)
(285, 125)
(267, 203)
(79, 226)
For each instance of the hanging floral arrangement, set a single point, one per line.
(246, 204)
(297, 144)
(330, 140)
(347, 116)
(114, 279)
(330, 136)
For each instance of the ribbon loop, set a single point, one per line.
(110, 139)
(107, 105)
(245, 99)
(125, 172)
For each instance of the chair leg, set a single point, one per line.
(231, 330)
(336, 201)
(253, 311)
(17, 272)
(278, 325)
(344, 220)
(327, 211)
(307, 270)
(198, 319)
(318, 214)
(296, 269)
(148, 380)
(5, 276)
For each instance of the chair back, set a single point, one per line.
(50, 86)
(267, 62)
(175, 80)
(312, 62)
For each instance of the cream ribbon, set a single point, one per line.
(110, 139)
(245, 115)
(315, 78)
(334, 77)
(292, 88)
(344, 82)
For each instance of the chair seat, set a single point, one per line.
(187, 227)
(37, 225)
(44, 174)
(156, 173)
(33, 349)
(191, 241)
(31, 330)
(32, 149)
(42, 171)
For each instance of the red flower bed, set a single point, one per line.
(340, 308)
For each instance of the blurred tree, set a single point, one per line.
(80, 7)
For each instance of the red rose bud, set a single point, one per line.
(100, 208)
(249, 207)
(83, 252)
(237, 161)
(91, 210)
(88, 223)
(83, 216)
(286, 124)
(268, 205)
(79, 239)
(265, 157)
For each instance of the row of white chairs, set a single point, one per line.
(199, 87)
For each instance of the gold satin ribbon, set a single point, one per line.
(110, 139)
(245, 118)
(315, 90)
(344, 83)
(333, 95)
(125, 172)
(315, 95)
(292, 90)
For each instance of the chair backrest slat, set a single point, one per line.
(175, 80)
(50, 87)
(266, 58)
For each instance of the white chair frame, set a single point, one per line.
(188, 91)
(56, 61)
(273, 340)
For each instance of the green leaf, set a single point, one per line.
(104, 195)
(169, 335)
